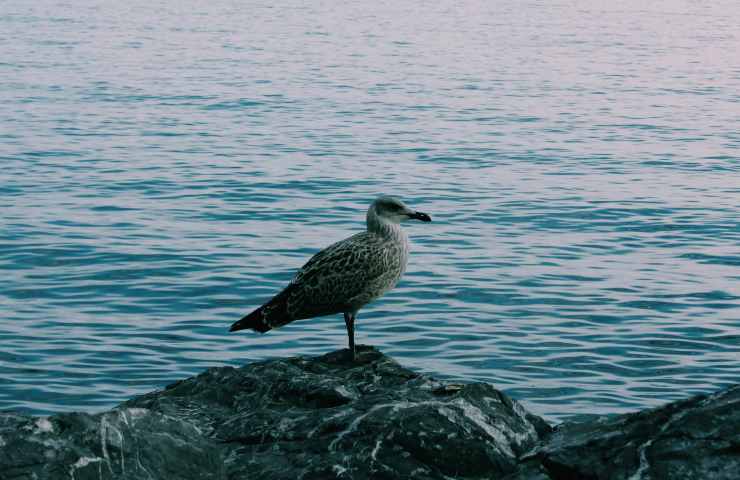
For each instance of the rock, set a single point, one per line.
(697, 438)
(126, 443)
(323, 417)
(309, 418)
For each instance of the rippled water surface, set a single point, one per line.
(166, 166)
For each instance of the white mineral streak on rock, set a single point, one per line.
(342, 413)
(81, 463)
(233, 457)
(374, 453)
(85, 461)
(104, 426)
(396, 406)
(475, 415)
(140, 465)
(118, 438)
(644, 464)
(43, 425)
(353, 425)
(130, 416)
(342, 390)
(530, 432)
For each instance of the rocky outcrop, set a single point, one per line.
(324, 417)
(697, 438)
(310, 418)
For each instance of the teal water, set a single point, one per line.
(166, 166)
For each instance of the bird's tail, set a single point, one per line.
(255, 320)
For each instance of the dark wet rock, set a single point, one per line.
(126, 443)
(324, 417)
(310, 418)
(698, 438)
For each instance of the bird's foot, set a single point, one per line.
(361, 354)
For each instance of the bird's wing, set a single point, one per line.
(333, 278)
(332, 281)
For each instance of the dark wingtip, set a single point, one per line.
(253, 320)
(235, 326)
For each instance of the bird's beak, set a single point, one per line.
(420, 216)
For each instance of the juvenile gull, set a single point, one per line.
(345, 276)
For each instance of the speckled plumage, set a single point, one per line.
(342, 278)
(345, 276)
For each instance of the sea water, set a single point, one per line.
(165, 167)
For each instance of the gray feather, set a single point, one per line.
(343, 277)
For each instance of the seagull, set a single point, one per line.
(345, 276)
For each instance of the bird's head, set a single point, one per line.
(393, 210)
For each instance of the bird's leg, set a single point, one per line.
(349, 321)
